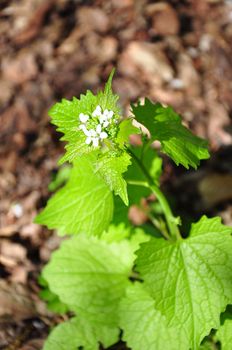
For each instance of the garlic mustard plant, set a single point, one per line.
(148, 286)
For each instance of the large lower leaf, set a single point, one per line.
(77, 333)
(90, 276)
(84, 204)
(143, 326)
(191, 279)
(176, 140)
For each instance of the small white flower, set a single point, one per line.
(105, 113)
(102, 119)
(110, 114)
(97, 112)
(93, 133)
(95, 141)
(88, 140)
(99, 133)
(83, 117)
(103, 135)
(85, 131)
(98, 128)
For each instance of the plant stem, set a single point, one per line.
(160, 227)
(155, 222)
(170, 219)
(138, 183)
(173, 228)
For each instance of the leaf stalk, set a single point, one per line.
(170, 219)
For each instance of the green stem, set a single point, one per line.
(160, 227)
(170, 219)
(138, 183)
(155, 222)
(173, 228)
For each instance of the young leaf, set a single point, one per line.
(126, 128)
(191, 279)
(107, 99)
(111, 168)
(90, 276)
(176, 140)
(77, 333)
(116, 233)
(66, 115)
(60, 178)
(84, 204)
(143, 326)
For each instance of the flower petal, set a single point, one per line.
(95, 141)
(83, 117)
(103, 135)
(98, 128)
(88, 140)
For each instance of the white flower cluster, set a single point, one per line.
(98, 134)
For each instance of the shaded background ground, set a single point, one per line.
(176, 52)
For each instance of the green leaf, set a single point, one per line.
(153, 165)
(120, 212)
(77, 333)
(224, 333)
(90, 276)
(151, 161)
(65, 115)
(126, 128)
(207, 345)
(84, 204)
(143, 326)
(107, 99)
(116, 233)
(191, 279)
(111, 167)
(60, 178)
(138, 236)
(176, 140)
(53, 302)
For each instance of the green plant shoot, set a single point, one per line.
(148, 285)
